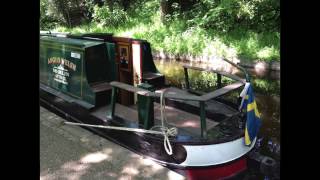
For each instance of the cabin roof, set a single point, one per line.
(68, 41)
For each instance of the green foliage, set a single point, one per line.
(47, 21)
(104, 16)
(143, 12)
(253, 45)
(227, 15)
(227, 28)
(66, 12)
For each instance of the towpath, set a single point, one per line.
(73, 153)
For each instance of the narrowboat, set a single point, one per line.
(110, 85)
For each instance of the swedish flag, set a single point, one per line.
(253, 122)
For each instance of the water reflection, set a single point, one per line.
(267, 92)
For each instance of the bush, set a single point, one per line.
(47, 21)
(227, 15)
(104, 16)
(224, 28)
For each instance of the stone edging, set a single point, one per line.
(272, 65)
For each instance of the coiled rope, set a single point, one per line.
(165, 131)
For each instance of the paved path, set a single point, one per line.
(72, 153)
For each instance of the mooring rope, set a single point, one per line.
(115, 128)
(165, 131)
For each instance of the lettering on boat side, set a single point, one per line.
(61, 73)
(58, 60)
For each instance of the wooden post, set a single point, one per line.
(147, 121)
(163, 10)
(203, 120)
(186, 77)
(113, 102)
(219, 80)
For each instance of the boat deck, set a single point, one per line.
(186, 122)
(190, 123)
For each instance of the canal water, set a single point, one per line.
(266, 85)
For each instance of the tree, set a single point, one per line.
(69, 12)
(163, 9)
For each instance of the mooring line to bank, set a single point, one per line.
(165, 131)
(116, 128)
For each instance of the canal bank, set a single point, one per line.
(71, 152)
(256, 64)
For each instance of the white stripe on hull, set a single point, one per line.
(215, 154)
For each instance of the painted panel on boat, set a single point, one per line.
(71, 65)
(209, 155)
(63, 68)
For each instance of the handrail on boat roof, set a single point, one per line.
(239, 67)
(54, 34)
(144, 92)
(202, 98)
(234, 77)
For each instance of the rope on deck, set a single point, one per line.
(165, 131)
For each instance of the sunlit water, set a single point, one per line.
(267, 98)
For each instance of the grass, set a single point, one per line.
(177, 38)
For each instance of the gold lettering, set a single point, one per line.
(58, 60)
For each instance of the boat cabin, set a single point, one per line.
(82, 66)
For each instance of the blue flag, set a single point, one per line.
(253, 122)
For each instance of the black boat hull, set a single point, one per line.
(151, 146)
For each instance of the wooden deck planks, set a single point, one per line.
(175, 117)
